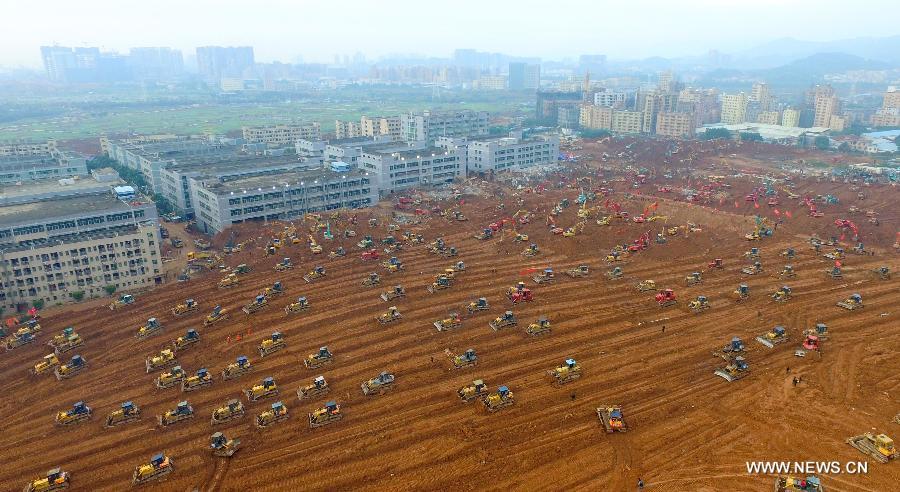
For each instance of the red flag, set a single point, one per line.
(237, 338)
(32, 311)
(777, 212)
(787, 213)
(837, 263)
(755, 205)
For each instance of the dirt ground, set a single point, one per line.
(689, 430)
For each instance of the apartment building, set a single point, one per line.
(347, 129)
(20, 167)
(889, 113)
(524, 76)
(381, 126)
(759, 93)
(28, 148)
(702, 103)
(790, 118)
(826, 106)
(513, 152)
(397, 168)
(769, 118)
(676, 125)
(150, 157)
(221, 202)
(280, 135)
(596, 117)
(611, 99)
(429, 125)
(734, 108)
(62, 242)
(627, 121)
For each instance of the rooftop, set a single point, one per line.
(767, 132)
(39, 190)
(275, 180)
(215, 163)
(62, 208)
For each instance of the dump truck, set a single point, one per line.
(295, 307)
(318, 359)
(851, 303)
(186, 307)
(473, 391)
(237, 368)
(185, 341)
(267, 388)
(878, 446)
(197, 381)
(612, 418)
(566, 373)
(127, 412)
(540, 327)
(380, 384)
(449, 323)
(78, 413)
(222, 446)
(392, 314)
(159, 467)
(231, 410)
(164, 358)
(328, 414)
(394, 293)
(272, 344)
(54, 480)
(183, 411)
(217, 314)
(502, 321)
(318, 387)
(774, 337)
(466, 359)
(75, 366)
(736, 368)
(277, 413)
(170, 378)
(499, 399)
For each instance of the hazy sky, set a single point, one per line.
(552, 29)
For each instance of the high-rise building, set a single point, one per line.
(889, 114)
(790, 117)
(609, 98)
(627, 121)
(676, 125)
(734, 107)
(760, 94)
(524, 76)
(215, 62)
(156, 63)
(596, 117)
(891, 98)
(84, 65)
(769, 117)
(825, 107)
(703, 103)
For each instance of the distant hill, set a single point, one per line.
(812, 68)
(785, 50)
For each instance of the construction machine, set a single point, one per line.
(783, 294)
(317, 273)
(185, 341)
(735, 347)
(274, 291)
(164, 358)
(484, 235)
(258, 303)
(369, 255)
(837, 254)
(789, 253)
(449, 323)
(737, 368)
(197, 381)
(469, 393)
(183, 411)
(318, 387)
(459, 266)
(339, 252)
(851, 303)
(774, 337)
(265, 389)
(392, 314)
(122, 301)
(753, 269)
(229, 281)
(616, 256)
(521, 238)
(318, 359)
(61, 338)
(441, 282)
(480, 304)
(878, 446)
(787, 272)
(365, 242)
(217, 314)
(545, 277)
(884, 273)
(396, 292)
(502, 321)
(170, 378)
(188, 306)
(531, 250)
(71, 342)
(393, 265)
(78, 413)
(811, 342)
(615, 274)
(566, 373)
(285, 264)
(742, 293)
(237, 368)
(158, 468)
(466, 359)
(71, 368)
(753, 254)
(231, 410)
(448, 253)
(127, 412)
(152, 327)
(666, 298)
(380, 384)
(241, 269)
(540, 327)
(661, 238)
(646, 285)
(499, 399)
(693, 279)
(46, 365)
(580, 271)
(520, 294)
(791, 484)
(222, 446)
(699, 304)
(295, 307)
(272, 344)
(328, 414)
(372, 280)
(54, 480)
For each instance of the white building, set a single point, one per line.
(428, 126)
(398, 168)
(610, 99)
(500, 154)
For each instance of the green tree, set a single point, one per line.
(595, 133)
(110, 289)
(38, 304)
(162, 204)
(822, 142)
(751, 137)
(78, 296)
(714, 133)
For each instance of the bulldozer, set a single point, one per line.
(78, 413)
(753, 269)
(380, 384)
(391, 315)
(237, 368)
(393, 265)
(372, 280)
(646, 285)
(295, 307)
(580, 271)
(499, 399)
(217, 314)
(328, 414)
(772, 338)
(612, 418)
(791, 484)
(317, 273)
(835, 272)
(365, 242)
(285, 264)
(231, 410)
(265, 389)
(337, 253)
(604, 221)
(566, 373)
(782, 294)
(197, 381)
(46, 365)
(370, 255)
(480, 304)
(183, 411)
(70, 369)
(274, 291)
(229, 281)
(735, 347)
(699, 304)
(122, 301)
(693, 279)
(58, 340)
(441, 282)
(752, 254)
(159, 467)
(272, 344)
(837, 254)
(241, 269)
(615, 257)
(185, 341)
(188, 306)
(466, 359)
(736, 368)
(502, 321)
(615, 274)
(789, 253)
(884, 273)
(878, 446)
(661, 238)
(531, 251)
(484, 235)
(257, 304)
(448, 252)
(222, 446)
(459, 266)
(472, 391)
(318, 387)
(152, 327)
(449, 323)
(665, 298)
(165, 358)
(521, 238)
(716, 263)
(397, 292)
(545, 277)
(788, 272)
(318, 359)
(851, 303)
(127, 412)
(170, 378)
(541, 327)
(742, 293)
(54, 480)
(70, 343)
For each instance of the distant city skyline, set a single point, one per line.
(282, 30)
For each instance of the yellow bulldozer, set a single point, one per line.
(465, 359)
(236, 369)
(295, 307)
(646, 285)
(229, 281)
(878, 446)
(449, 323)
(128, 412)
(78, 413)
(122, 301)
(158, 468)
(46, 365)
(183, 411)
(197, 381)
(272, 344)
(165, 358)
(217, 314)
(185, 341)
(186, 307)
(222, 446)
(232, 410)
(473, 391)
(392, 314)
(566, 373)
(580, 271)
(71, 368)
(277, 413)
(170, 378)
(318, 387)
(152, 327)
(540, 327)
(499, 399)
(55, 480)
(328, 414)
(318, 359)
(265, 389)
(70, 343)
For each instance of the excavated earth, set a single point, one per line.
(689, 430)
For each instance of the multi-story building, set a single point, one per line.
(611, 99)
(278, 196)
(380, 126)
(886, 117)
(891, 98)
(20, 167)
(676, 125)
(150, 156)
(156, 63)
(759, 93)
(513, 152)
(596, 117)
(627, 121)
(769, 118)
(396, 168)
(547, 103)
(281, 135)
(826, 106)
(567, 116)
(63, 242)
(347, 129)
(790, 117)
(490, 83)
(215, 62)
(524, 76)
(84, 65)
(703, 103)
(28, 148)
(734, 108)
(429, 125)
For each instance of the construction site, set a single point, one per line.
(503, 333)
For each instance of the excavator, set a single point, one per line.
(55, 480)
(318, 387)
(272, 344)
(127, 412)
(236, 369)
(158, 468)
(566, 373)
(78, 413)
(183, 411)
(499, 399)
(222, 446)
(318, 359)
(231, 410)
(328, 414)
(265, 389)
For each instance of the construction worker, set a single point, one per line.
(640, 484)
